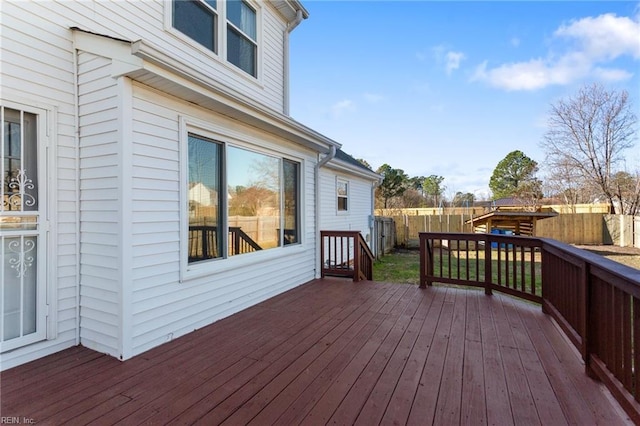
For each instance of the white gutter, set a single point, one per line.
(321, 163)
(285, 75)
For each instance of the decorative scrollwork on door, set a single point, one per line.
(22, 259)
(18, 198)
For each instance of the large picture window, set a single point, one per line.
(258, 209)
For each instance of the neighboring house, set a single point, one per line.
(123, 123)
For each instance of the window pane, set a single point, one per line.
(243, 17)
(241, 52)
(291, 197)
(343, 196)
(254, 201)
(19, 162)
(194, 19)
(205, 201)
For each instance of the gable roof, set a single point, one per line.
(347, 162)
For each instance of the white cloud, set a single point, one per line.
(450, 58)
(604, 37)
(598, 41)
(373, 97)
(453, 61)
(342, 107)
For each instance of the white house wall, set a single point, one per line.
(163, 307)
(359, 203)
(99, 107)
(37, 71)
(149, 21)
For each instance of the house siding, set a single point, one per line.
(100, 204)
(115, 277)
(163, 307)
(146, 20)
(37, 71)
(356, 218)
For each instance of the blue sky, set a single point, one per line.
(450, 88)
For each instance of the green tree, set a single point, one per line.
(515, 176)
(394, 183)
(463, 199)
(432, 186)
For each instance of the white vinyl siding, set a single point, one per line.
(100, 199)
(356, 218)
(145, 20)
(37, 72)
(163, 307)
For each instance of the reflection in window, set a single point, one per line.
(205, 214)
(291, 199)
(241, 36)
(343, 196)
(19, 161)
(240, 201)
(254, 200)
(197, 19)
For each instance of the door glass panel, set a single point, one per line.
(19, 289)
(19, 230)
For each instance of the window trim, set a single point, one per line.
(228, 137)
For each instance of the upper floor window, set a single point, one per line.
(343, 195)
(241, 36)
(198, 19)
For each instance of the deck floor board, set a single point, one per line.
(331, 352)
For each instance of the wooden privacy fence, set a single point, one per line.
(384, 230)
(576, 228)
(596, 301)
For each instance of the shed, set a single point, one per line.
(518, 222)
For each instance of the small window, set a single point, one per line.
(343, 195)
(198, 20)
(242, 45)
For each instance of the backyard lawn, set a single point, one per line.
(403, 266)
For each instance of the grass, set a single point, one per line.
(403, 267)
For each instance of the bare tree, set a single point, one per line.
(587, 136)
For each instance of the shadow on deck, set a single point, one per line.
(332, 351)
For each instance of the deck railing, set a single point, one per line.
(204, 243)
(596, 301)
(345, 254)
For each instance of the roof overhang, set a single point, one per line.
(149, 65)
(345, 167)
(289, 9)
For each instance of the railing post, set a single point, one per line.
(356, 257)
(487, 266)
(424, 258)
(585, 319)
(322, 254)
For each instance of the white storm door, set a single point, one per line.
(23, 309)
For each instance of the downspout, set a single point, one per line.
(76, 125)
(285, 75)
(321, 163)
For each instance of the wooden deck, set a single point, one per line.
(331, 351)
